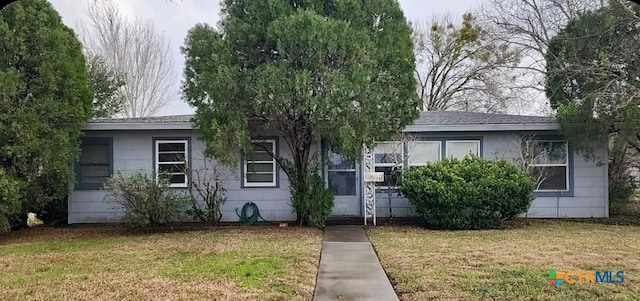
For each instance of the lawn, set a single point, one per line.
(225, 263)
(511, 264)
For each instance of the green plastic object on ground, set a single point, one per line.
(255, 216)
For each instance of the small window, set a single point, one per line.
(551, 165)
(260, 164)
(389, 160)
(171, 161)
(423, 152)
(94, 166)
(459, 149)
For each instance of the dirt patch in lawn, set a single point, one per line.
(106, 263)
(508, 264)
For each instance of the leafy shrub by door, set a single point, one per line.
(147, 202)
(321, 201)
(473, 193)
(313, 205)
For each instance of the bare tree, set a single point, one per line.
(525, 152)
(529, 25)
(135, 49)
(207, 192)
(460, 66)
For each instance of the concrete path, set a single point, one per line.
(349, 268)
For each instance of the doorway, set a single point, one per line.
(342, 178)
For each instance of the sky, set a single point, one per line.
(175, 18)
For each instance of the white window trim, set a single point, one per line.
(397, 165)
(565, 165)
(477, 142)
(186, 160)
(408, 159)
(274, 169)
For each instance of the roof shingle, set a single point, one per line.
(468, 118)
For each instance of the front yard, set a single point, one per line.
(226, 263)
(508, 264)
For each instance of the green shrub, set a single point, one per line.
(473, 193)
(313, 205)
(321, 201)
(146, 202)
(9, 199)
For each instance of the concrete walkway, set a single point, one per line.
(349, 268)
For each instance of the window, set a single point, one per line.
(341, 175)
(389, 160)
(459, 149)
(95, 164)
(551, 165)
(422, 152)
(260, 165)
(171, 161)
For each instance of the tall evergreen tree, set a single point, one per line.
(44, 102)
(303, 70)
(593, 76)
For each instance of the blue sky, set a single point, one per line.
(176, 18)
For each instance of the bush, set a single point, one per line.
(207, 194)
(622, 183)
(320, 200)
(147, 202)
(313, 206)
(9, 200)
(473, 193)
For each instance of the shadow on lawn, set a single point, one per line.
(106, 230)
(621, 215)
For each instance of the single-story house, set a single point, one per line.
(573, 186)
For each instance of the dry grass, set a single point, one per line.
(508, 264)
(228, 263)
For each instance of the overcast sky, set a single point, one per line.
(175, 19)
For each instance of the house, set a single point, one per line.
(574, 186)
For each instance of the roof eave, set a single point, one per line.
(120, 126)
(482, 127)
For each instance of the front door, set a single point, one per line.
(343, 180)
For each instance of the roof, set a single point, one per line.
(431, 121)
(175, 122)
(152, 119)
(454, 117)
(442, 121)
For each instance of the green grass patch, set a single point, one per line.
(508, 264)
(253, 272)
(229, 263)
(58, 246)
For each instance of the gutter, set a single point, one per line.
(181, 125)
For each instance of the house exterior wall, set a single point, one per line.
(133, 151)
(588, 198)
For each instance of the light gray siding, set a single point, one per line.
(133, 151)
(590, 195)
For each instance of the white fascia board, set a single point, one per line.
(132, 126)
(481, 127)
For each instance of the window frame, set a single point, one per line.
(447, 141)
(409, 151)
(401, 165)
(275, 182)
(187, 156)
(566, 165)
(78, 184)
